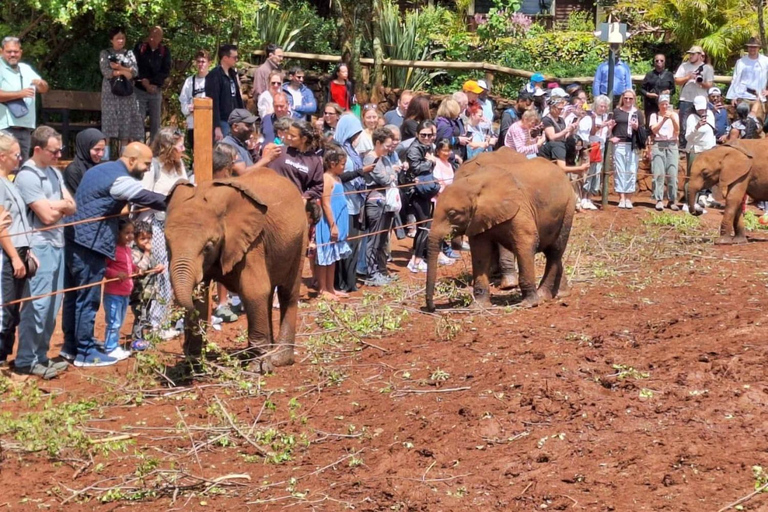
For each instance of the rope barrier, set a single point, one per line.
(75, 223)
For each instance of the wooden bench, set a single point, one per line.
(60, 104)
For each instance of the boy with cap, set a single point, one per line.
(699, 134)
(721, 114)
(695, 77)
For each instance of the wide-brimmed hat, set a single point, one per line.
(696, 49)
(753, 41)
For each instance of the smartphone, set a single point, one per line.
(610, 116)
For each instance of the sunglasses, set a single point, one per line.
(427, 135)
(369, 106)
(329, 113)
(51, 151)
(275, 83)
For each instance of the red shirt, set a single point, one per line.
(123, 262)
(339, 95)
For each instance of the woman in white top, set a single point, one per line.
(665, 156)
(194, 87)
(371, 118)
(266, 99)
(167, 168)
(597, 125)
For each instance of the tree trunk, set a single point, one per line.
(761, 25)
(378, 54)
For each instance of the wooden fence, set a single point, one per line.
(486, 67)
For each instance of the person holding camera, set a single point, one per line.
(700, 134)
(749, 75)
(696, 77)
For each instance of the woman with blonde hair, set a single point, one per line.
(266, 99)
(371, 118)
(167, 168)
(628, 121)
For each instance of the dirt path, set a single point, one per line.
(643, 390)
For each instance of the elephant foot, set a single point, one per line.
(563, 293)
(508, 281)
(545, 293)
(724, 240)
(284, 355)
(262, 365)
(530, 300)
(740, 239)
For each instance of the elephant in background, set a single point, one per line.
(740, 168)
(525, 206)
(249, 233)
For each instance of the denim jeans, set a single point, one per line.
(38, 317)
(625, 168)
(84, 266)
(115, 307)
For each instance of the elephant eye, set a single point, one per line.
(208, 246)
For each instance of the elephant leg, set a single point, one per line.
(525, 251)
(509, 277)
(256, 295)
(553, 283)
(482, 253)
(739, 230)
(284, 348)
(733, 210)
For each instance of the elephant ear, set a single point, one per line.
(180, 192)
(492, 208)
(243, 221)
(733, 166)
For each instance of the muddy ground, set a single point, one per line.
(643, 390)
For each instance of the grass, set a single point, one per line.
(752, 222)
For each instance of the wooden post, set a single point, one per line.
(195, 322)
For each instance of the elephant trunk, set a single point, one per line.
(436, 236)
(183, 282)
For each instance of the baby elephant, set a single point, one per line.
(526, 206)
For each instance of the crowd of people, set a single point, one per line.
(363, 174)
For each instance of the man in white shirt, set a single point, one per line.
(749, 75)
(695, 77)
(699, 133)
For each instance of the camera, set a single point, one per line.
(114, 58)
(699, 74)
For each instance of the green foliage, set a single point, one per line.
(719, 26)
(752, 222)
(580, 21)
(683, 223)
(400, 39)
(278, 26)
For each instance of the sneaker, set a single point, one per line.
(628, 204)
(411, 233)
(59, 366)
(66, 355)
(685, 207)
(377, 280)
(422, 267)
(412, 267)
(587, 204)
(225, 313)
(674, 207)
(215, 320)
(442, 259)
(622, 203)
(237, 304)
(119, 353)
(465, 246)
(168, 334)
(43, 371)
(659, 206)
(94, 358)
(452, 254)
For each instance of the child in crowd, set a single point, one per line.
(332, 230)
(281, 129)
(117, 293)
(142, 293)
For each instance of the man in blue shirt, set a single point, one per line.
(622, 79)
(722, 123)
(101, 195)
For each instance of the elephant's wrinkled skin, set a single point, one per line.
(740, 168)
(250, 234)
(525, 206)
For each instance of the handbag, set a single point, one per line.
(30, 264)
(392, 200)
(18, 108)
(427, 186)
(595, 153)
(120, 86)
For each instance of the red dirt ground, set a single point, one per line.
(534, 412)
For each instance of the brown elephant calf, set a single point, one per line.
(249, 233)
(525, 206)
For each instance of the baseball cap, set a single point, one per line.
(714, 90)
(539, 92)
(537, 77)
(558, 92)
(696, 49)
(482, 84)
(471, 86)
(241, 115)
(699, 103)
